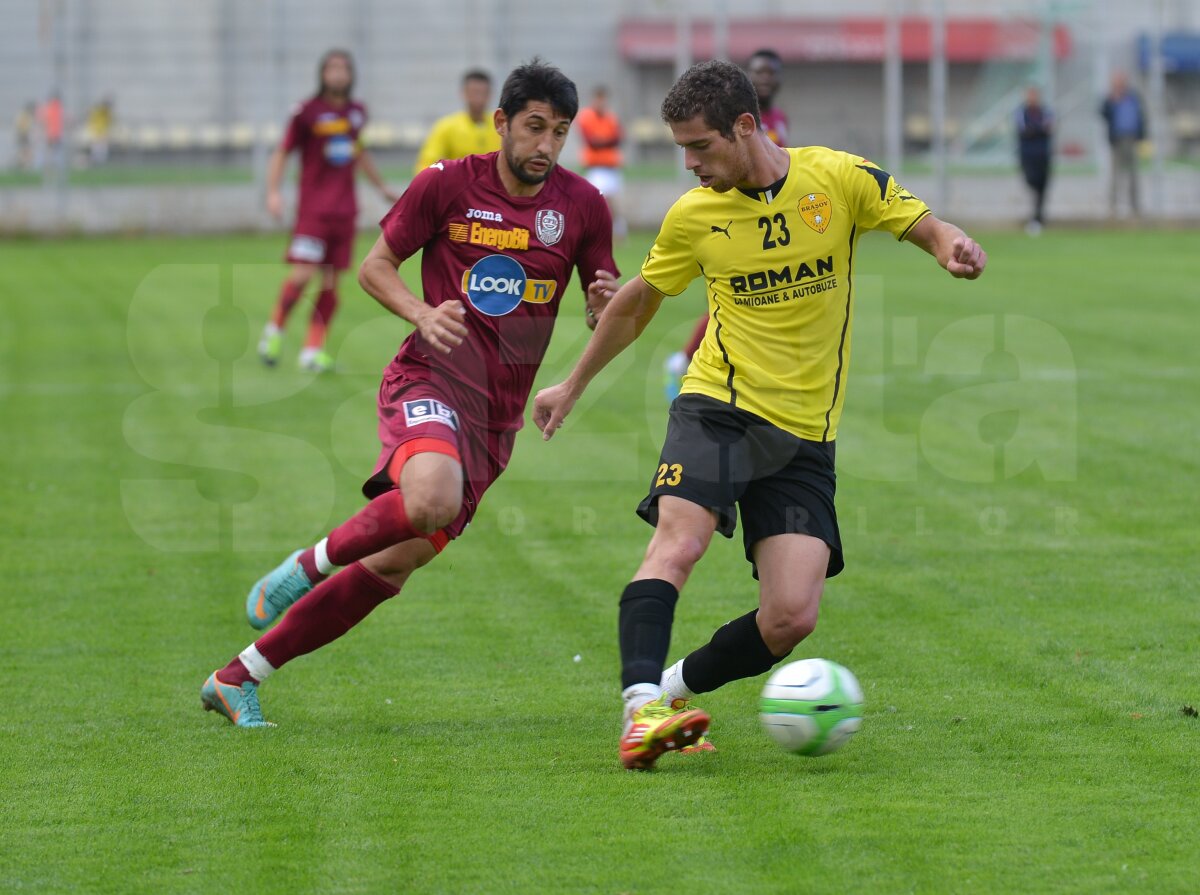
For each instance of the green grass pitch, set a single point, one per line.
(1018, 475)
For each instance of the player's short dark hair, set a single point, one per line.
(477, 74)
(330, 54)
(536, 81)
(768, 53)
(720, 91)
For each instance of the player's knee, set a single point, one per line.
(300, 276)
(678, 555)
(783, 629)
(395, 566)
(433, 505)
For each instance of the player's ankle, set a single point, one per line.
(637, 695)
(315, 562)
(673, 685)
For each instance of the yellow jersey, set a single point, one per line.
(456, 136)
(779, 272)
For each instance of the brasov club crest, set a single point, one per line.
(816, 210)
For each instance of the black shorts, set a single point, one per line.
(721, 457)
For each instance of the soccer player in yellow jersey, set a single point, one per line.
(773, 232)
(469, 132)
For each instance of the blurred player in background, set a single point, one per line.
(99, 130)
(1035, 128)
(52, 117)
(469, 132)
(765, 69)
(501, 236)
(325, 130)
(23, 132)
(601, 131)
(773, 232)
(1125, 119)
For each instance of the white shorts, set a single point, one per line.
(606, 180)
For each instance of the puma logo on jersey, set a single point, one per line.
(725, 229)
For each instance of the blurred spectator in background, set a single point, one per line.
(469, 132)
(1123, 112)
(50, 117)
(326, 131)
(765, 69)
(1035, 124)
(601, 130)
(23, 131)
(99, 130)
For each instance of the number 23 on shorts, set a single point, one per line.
(669, 474)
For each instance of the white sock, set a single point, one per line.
(673, 685)
(271, 329)
(637, 696)
(321, 558)
(260, 669)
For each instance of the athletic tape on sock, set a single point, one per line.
(321, 558)
(260, 669)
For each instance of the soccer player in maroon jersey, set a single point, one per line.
(325, 130)
(500, 236)
(765, 69)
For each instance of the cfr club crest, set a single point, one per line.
(550, 225)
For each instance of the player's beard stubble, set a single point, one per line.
(523, 174)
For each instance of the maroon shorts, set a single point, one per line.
(322, 241)
(416, 416)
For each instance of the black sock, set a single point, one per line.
(736, 651)
(644, 629)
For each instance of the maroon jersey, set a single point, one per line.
(327, 137)
(509, 260)
(775, 125)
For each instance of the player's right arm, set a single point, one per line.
(275, 166)
(412, 222)
(296, 132)
(442, 326)
(627, 314)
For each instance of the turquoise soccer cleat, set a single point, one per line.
(238, 704)
(275, 592)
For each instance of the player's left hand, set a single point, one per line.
(599, 293)
(967, 259)
(550, 407)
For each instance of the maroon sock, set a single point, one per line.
(382, 523)
(289, 294)
(308, 562)
(327, 303)
(324, 614)
(235, 673)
